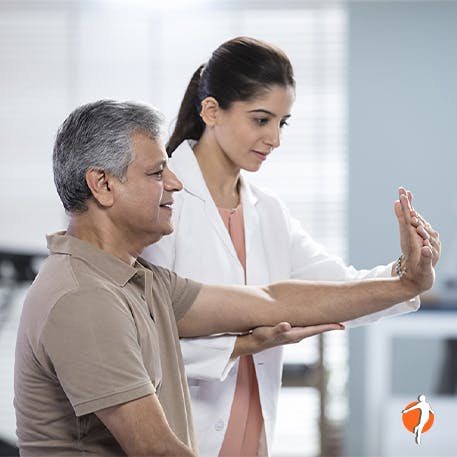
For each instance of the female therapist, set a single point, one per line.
(230, 231)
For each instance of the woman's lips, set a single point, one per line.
(261, 155)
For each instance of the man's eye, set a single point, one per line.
(157, 174)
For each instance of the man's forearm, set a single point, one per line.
(141, 429)
(219, 309)
(317, 303)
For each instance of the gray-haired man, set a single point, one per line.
(98, 364)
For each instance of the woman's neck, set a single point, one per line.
(221, 175)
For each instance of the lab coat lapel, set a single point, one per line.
(250, 216)
(256, 262)
(184, 163)
(218, 224)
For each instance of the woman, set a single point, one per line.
(229, 231)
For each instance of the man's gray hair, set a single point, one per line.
(98, 136)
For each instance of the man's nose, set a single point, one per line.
(171, 182)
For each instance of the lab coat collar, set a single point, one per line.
(184, 163)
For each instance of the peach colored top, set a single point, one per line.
(245, 425)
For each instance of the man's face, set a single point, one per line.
(144, 197)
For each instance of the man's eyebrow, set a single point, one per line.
(265, 111)
(161, 163)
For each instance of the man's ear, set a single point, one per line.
(101, 185)
(210, 108)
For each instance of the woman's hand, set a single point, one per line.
(416, 243)
(262, 338)
(425, 230)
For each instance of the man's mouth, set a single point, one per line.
(167, 205)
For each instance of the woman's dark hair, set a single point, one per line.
(239, 70)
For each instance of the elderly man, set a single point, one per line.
(98, 364)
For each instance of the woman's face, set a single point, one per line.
(247, 132)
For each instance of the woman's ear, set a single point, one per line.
(210, 108)
(101, 185)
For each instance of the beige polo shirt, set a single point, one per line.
(96, 332)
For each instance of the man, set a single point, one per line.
(98, 366)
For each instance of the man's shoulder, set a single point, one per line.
(166, 282)
(63, 279)
(55, 278)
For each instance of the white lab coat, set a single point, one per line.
(277, 248)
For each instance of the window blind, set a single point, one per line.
(56, 55)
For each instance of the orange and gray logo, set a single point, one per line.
(418, 417)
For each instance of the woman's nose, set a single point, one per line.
(274, 137)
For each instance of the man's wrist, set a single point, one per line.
(400, 266)
(401, 271)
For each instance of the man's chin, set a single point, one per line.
(166, 231)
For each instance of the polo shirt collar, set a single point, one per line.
(115, 269)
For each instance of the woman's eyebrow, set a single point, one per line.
(265, 111)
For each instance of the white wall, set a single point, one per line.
(402, 131)
(402, 119)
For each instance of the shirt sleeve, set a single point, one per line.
(205, 358)
(92, 342)
(183, 291)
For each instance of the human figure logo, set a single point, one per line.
(418, 417)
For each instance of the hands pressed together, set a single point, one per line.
(421, 249)
(420, 244)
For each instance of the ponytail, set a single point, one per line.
(189, 125)
(240, 69)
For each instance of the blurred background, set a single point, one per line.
(376, 108)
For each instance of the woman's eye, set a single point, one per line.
(283, 123)
(261, 120)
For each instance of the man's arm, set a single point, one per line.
(141, 428)
(266, 337)
(220, 309)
